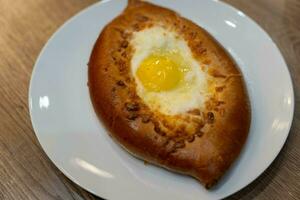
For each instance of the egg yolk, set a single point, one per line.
(160, 73)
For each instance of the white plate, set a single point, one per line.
(71, 135)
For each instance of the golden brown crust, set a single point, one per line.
(204, 154)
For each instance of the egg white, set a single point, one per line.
(190, 95)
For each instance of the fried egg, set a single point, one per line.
(168, 79)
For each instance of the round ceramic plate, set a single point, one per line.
(72, 136)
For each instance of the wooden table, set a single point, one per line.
(25, 170)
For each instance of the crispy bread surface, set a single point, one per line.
(204, 153)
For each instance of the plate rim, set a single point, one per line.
(86, 9)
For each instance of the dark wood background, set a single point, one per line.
(25, 170)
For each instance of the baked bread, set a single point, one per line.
(201, 141)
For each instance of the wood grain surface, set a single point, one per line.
(25, 170)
